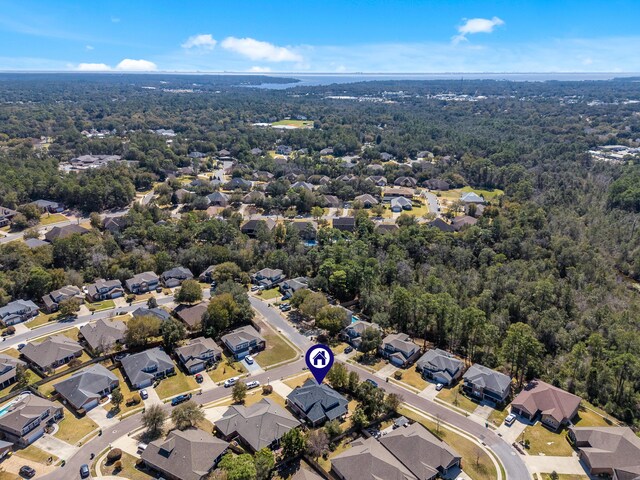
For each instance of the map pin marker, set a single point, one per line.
(319, 359)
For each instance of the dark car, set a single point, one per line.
(348, 350)
(179, 399)
(27, 472)
(373, 383)
(199, 378)
(84, 471)
(144, 394)
(21, 346)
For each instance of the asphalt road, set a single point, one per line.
(432, 201)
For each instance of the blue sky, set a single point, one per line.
(322, 36)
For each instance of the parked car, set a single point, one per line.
(158, 289)
(143, 394)
(84, 471)
(180, 399)
(348, 350)
(286, 307)
(439, 386)
(199, 378)
(27, 472)
(230, 382)
(510, 419)
(255, 288)
(253, 384)
(372, 382)
(21, 346)
(120, 356)
(249, 359)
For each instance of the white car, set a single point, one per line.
(249, 359)
(439, 386)
(230, 382)
(510, 419)
(253, 384)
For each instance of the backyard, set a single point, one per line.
(176, 384)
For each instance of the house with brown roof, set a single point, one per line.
(191, 316)
(463, 221)
(253, 226)
(555, 406)
(607, 450)
(27, 418)
(52, 300)
(57, 233)
(184, 455)
(51, 352)
(103, 334)
(198, 354)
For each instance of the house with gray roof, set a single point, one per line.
(317, 403)
(144, 368)
(27, 418)
(258, 426)
(366, 200)
(184, 455)
(440, 366)
(51, 352)
(398, 204)
(8, 368)
(57, 233)
(207, 275)
(291, 286)
(352, 333)
(104, 289)
(218, 199)
(267, 277)
(610, 451)
(103, 334)
(18, 311)
(253, 226)
(471, 197)
(399, 349)
(198, 354)
(485, 384)
(242, 341)
(175, 276)
(48, 206)
(52, 300)
(35, 243)
(344, 224)
(331, 201)
(157, 312)
(143, 282)
(6, 216)
(84, 389)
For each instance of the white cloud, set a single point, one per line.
(257, 50)
(257, 69)
(204, 41)
(89, 47)
(92, 67)
(130, 65)
(476, 25)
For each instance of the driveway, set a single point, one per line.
(432, 202)
(253, 368)
(207, 383)
(101, 417)
(513, 432)
(55, 446)
(386, 371)
(562, 465)
(153, 399)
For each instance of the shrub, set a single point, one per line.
(397, 375)
(267, 389)
(11, 330)
(117, 466)
(136, 399)
(114, 454)
(75, 362)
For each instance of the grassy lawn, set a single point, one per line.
(52, 218)
(34, 454)
(564, 476)
(41, 319)
(12, 352)
(83, 358)
(369, 362)
(270, 294)
(498, 416)
(482, 469)
(143, 298)
(175, 385)
(72, 429)
(294, 123)
(339, 348)
(412, 377)
(33, 378)
(48, 388)
(9, 476)
(297, 381)
(277, 350)
(454, 396)
(326, 463)
(100, 306)
(226, 368)
(543, 441)
(591, 418)
(253, 397)
(129, 469)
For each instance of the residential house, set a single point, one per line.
(326, 151)
(253, 226)
(218, 199)
(182, 195)
(47, 206)
(375, 168)
(347, 178)
(471, 197)
(25, 420)
(84, 389)
(56, 233)
(436, 184)
(603, 450)
(284, 150)
(207, 275)
(115, 224)
(400, 350)
(353, 332)
(366, 200)
(317, 403)
(238, 183)
(224, 153)
(242, 341)
(409, 182)
(256, 151)
(395, 192)
(303, 185)
(306, 230)
(175, 276)
(440, 366)
(289, 287)
(6, 216)
(555, 406)
(306, 474)
(399, 204)
(368, 459)
(84, 162)
(345, 224)
(258, 426)
(143, 368)
(18, 311)
(254, 197)
(52, 352)
(143, 282)
(8, 368)
(268, 277)
(157, 312)
(331, 201)
(197, 155)
(104, 289)
(424, 454)
(463, 221)
(442, 225)
(378, 180)
(103, 334)
(385, 157)
(198, 354)
(184, 455)
(191, 316)
(384, 228)
(53, 299)
(485, 384)
(33, 243)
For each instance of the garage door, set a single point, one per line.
(90, 405)
(36, 434)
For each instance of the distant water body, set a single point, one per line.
(318, 80)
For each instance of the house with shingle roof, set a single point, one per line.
(603, 450)
(399, 349)
(57, 233)
(398, 204)
(485, 384)
(253, 226)
(440, 366)
(555, 406)
(462, 221)
(191, 316)
(471, 197)
(184, 455)
(157, 312)
(317, 403)
(51, 352)
(267, 277)
(27, 418)
(352, 333)
(84, 389)
(8, 369)
(175, 276)
(143, 282)
(366, 200)
(35, 243)
(441, 225)
(218, 199)
(52, 300)
(198, 354)
(291, 286)
(104, 289)
(331, 201)
(143, 368)
(345, 224)
(242, 341)
(103, 334)
(6, 216)
(258, 426)
(18, 311)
